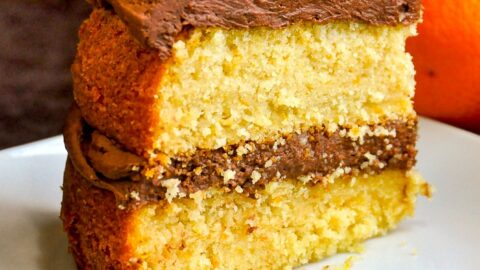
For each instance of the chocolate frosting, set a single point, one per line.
(315, 153)
(109, 159)
(158, 23)
(73, 135)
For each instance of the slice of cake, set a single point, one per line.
(238, 134)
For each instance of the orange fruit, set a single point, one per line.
(446, 55)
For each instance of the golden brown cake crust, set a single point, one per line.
(120, 102)
(97, 230)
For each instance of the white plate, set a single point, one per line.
(445, 233)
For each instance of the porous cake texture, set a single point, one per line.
(222, 86)
(289, 223)
(239, 134)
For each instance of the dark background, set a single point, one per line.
(37, 45)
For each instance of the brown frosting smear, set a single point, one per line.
(157, 23)
(111, 160)
(311, 156)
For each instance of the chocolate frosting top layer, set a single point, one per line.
(157, 23)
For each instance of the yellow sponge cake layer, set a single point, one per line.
(289, 223)
(225, 86)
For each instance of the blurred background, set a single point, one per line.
(37, 45)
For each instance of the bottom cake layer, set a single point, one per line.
(289, 223)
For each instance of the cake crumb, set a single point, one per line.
(255, 176)
(427, 190)
(346, 265)
(149, 173)
(268, 163)
(357, 133)
(371, 158)
(133, 260)
(197, 170)
(334, 175)
(228, 175)
(331, 127)
(135, 195)
(164, 159)
(239, 189)
(250, 147)
(364, 165)
(250, 222)
(305, 178)
(172, 186)
(243, 133)
(349, 262)
(205, 131)
(338, 172)
(232, 206)
(241, 150)
(353, 180)
(275, 147)
(279, 141)
(220, 142)
(303, 140)
(121, 207)
(382, 131)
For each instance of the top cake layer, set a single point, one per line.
(158, 23)
(222, 87)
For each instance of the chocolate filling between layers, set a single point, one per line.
(311, 157)
(158, 23)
